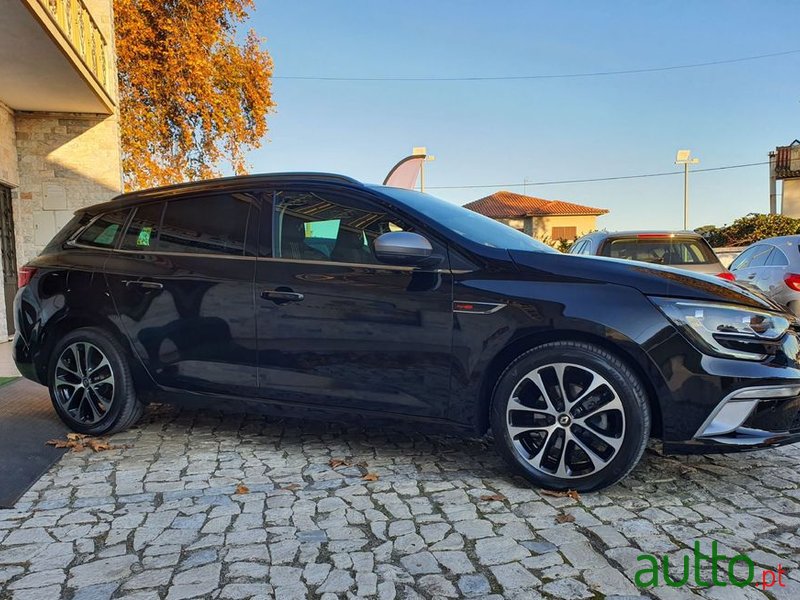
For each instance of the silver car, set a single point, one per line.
(772, 266)
(681, 249)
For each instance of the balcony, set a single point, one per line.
(54, 57)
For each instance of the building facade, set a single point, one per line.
(547, 220)
(59, 129)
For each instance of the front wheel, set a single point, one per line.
(90, 384)
(570, 415)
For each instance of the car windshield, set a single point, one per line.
(466, 223)
(661, 250)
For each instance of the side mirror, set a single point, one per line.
(402, 248)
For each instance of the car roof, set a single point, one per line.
(648, 232)
(221, 184)
(781, 239)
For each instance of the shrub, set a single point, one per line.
(749, 229)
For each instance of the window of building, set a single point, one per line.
(564, 233)
(206, 224)
(142, 233)
(104, 230)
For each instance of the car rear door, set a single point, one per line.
(182, 283)
(337, 328)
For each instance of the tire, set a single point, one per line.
(607, 413)
(90, 359)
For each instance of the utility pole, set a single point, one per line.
(684, 157)
(773, 192)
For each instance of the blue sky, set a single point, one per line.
(542, 130)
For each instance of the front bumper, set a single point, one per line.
(747, 419)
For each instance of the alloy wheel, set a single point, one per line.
(565, 420)
(84, 382)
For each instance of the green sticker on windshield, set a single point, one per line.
(144, 236)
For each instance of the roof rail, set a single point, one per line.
(223, 181)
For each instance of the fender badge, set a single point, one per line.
(476, 308)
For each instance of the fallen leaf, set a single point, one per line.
(242, 489)
(565, 518)
(78, 442)
(493, 498)
(370, 477)
(338, 462)
(291, 486)
(561, 494)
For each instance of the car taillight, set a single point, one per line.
(24, 276)
(792, 281)
(727, 275)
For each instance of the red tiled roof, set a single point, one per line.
(508, 204)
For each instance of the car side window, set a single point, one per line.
(328, 227)
(760, 258)
(777, 259)
(743, 260)
(214, 224)
(104, 231)
(142, 232)
(577, 248)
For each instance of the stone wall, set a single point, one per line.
(65, 162)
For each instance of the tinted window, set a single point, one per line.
(661, 251)
(760, 257)
(104, 231)
(142, 233)
(206, 224)
(741, 261)
(318, 226)
(777, 259)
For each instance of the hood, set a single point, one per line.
(651, 280)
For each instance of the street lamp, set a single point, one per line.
(684, 157)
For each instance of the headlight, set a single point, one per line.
(724, 329)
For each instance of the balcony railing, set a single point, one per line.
(80, 29)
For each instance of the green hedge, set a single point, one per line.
(749, 229)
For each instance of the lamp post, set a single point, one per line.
(684, 157)
(422, 152)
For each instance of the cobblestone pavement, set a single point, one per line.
(161, 518)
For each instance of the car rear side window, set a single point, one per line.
(104, 231)
(214, 224)
(142, 233)
(777, 259)
(661, 250)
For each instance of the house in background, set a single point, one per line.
(59, 133)
(552, 220)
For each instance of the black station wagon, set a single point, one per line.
(315, 294)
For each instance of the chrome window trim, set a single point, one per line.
(372, 266)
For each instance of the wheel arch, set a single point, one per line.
(55, 330)
(530, 341)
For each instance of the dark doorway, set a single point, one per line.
(9, 251)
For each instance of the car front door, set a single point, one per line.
(182, 283)
(336, 327)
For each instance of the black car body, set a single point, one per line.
(294, 292)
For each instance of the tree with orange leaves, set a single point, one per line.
(192, 96)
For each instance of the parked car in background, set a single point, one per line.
(773, 266)
(682, 249)
(313, 295)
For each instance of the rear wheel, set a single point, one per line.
(90, 383)
(570, 415)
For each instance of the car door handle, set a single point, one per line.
(751, 276)
(150, 285)
(282, 296)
